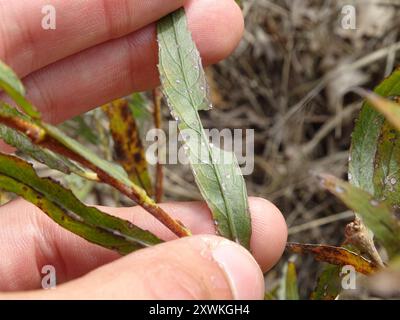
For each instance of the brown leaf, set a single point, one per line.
(129, 150)
(334, 255)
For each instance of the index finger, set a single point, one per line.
(26, 46)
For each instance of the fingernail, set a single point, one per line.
(241, 270)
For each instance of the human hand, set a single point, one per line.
(102, 50)
(198, 267)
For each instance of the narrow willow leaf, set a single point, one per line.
(216, 171)
(374, 164)
(377, 215)
(289, 285)
(10, 83)
(53, 161)
(329, 284)
(129, 150)
(334, 255)
(64, 208)
(114, 170)
(24, 144)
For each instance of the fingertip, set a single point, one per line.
(219, 32)
(269, 232)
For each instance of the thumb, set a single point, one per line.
(198, 267)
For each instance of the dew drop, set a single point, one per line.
(228, 176)
(202, 88)
(393, 181)
(349, 176)
(174, 115)
(178, 81)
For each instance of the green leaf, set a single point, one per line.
(289, 285)
(374, 164)
(129, 150)
(114, 170)
(10, 83)
(24, 144)
(64, 208)
(329, 284)
(216, 172)
(377, 215)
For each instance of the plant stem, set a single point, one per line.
(39, 136)
(158, 124)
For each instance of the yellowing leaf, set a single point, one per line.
(334, 255)
(129, 150)
(289, 283)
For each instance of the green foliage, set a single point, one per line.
(64, 208)
(216, 171)
(23, 144)
(374, 156)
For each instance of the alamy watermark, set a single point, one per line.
(191, 146)
(49, 280)
(349, 17)
(49, 20)
(349, 277)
